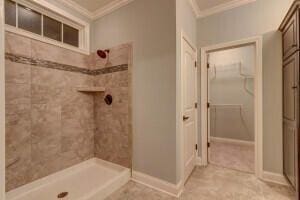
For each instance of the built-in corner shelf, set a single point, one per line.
(91, 89)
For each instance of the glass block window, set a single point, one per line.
(10, 12)
(29, 20)
(71, 36)
(52, 28)
(24, 18)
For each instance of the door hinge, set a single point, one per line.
(196, 105)
(195, 63)
(207, 65)
(208, 144)
(208, 105)
(196, 147)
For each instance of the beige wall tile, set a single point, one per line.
(72, 79)
(17, 73)
(112, 133)
(118, 55)
(48, 77)
(17, 159)
(17, 44)
(17, 93)
(53, 53)
(104, 80)
(42, 94)
(18, 124)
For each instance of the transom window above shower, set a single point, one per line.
(38, 22)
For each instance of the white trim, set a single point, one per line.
(2, 104)
(231, 141)
(92, 15)
(24, 33)
(157, 184)
(83, 11)
(219, 8)
(122, 177)
(109, 8)
(58, 10)
(195, 7)
(61, 15)
(258, 104)
(275, 178)
(199, 161)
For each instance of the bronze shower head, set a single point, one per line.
(103, 53)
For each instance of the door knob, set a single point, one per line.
(185, 118)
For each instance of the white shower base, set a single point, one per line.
(94, 179)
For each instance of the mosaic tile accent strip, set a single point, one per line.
(53, 65)
(108, 70)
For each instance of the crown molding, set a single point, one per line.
(217, 9)
(195, 7)
(112, 6)
(71, 4)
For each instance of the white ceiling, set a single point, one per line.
(98, 8)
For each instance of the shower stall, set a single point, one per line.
(68, 114)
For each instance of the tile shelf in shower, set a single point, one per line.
(91, 89)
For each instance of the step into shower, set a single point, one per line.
(94, 179)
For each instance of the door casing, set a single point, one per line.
(258, 99)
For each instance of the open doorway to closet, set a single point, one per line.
(231, 75)
(231, 105)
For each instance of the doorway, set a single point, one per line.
(231, 105)
(231, 108)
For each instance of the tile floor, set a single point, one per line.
(212, 183)
(233, 156)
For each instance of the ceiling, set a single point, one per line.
(93, 5)
(97, 8)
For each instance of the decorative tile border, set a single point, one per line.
(53, 65)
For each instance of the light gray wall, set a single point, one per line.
(151, 27)
(186, 22)
(258, 18)
(249, 20)
(272, 101)
(229, 87)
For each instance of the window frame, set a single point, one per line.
(58, 14)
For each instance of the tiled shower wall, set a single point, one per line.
(49, 125)
(113, 125)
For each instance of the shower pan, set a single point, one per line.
(94, 179)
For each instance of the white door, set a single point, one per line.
(189, 99)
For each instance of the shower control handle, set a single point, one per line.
(185, 118)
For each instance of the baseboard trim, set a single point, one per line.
(157, 184)
(199, 161)
(275, 178)
(232, 141)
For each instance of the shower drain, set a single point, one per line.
(62, 195)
